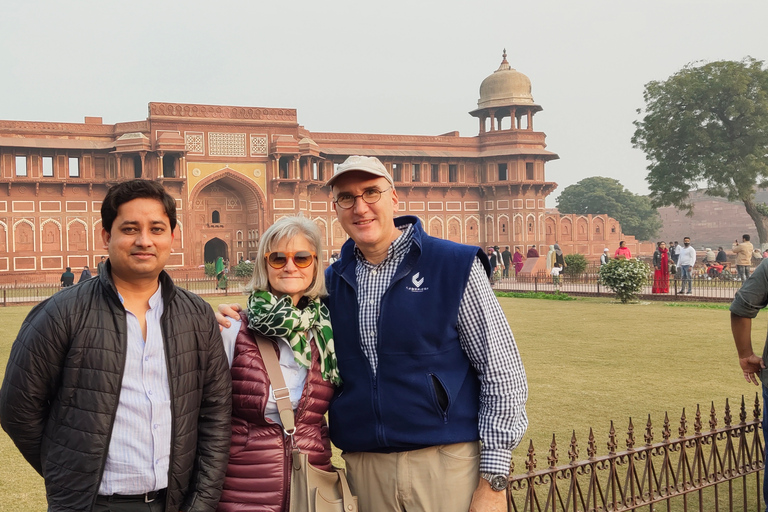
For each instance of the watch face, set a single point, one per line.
(499, 483)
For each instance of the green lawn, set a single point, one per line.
(588, 361)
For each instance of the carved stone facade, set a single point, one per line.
(235, 170)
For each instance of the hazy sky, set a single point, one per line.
(405, 67)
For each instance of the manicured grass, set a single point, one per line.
(589, 361)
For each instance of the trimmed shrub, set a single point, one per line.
(625, 277)
(575, 264)
(210, 269)
(243, 269)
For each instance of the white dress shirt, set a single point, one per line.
(140, 445)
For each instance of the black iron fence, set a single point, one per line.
(707, 469)
(22, 293)
(703, 287)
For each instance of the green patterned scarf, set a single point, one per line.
(273, 317)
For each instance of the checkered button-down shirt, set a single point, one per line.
(485, 337)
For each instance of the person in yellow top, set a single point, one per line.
(743, 253)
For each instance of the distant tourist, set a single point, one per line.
(559, 258)
(85, 274)
(721, 257)
(517, 259)
(710, 256)
(605, 256)
(494, 262)
(101, 266)
(676, 252)
(685, 262)
(506, 257)
(551, 257)
(743, 252)
(532, 252)
(622, 251)
(67, 278)
(661, 269)
(555, 275)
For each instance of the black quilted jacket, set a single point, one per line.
(62, 384)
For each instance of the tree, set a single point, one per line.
(707, 126)
(598, 195)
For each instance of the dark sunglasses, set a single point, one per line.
(301, 259)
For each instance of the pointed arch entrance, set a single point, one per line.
(214, 248)
(230, 207)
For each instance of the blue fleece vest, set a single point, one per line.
(425, 392)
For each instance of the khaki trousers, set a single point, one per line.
(435, 479)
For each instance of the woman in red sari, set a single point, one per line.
(517, 259)
(661, 272)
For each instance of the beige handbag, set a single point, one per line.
(312, 489)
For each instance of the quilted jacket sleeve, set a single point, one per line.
(31, 378)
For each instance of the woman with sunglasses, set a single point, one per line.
(285, 307)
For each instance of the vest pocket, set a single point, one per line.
(440, 395)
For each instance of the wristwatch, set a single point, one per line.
(498, 482)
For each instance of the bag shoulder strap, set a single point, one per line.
(280, 391)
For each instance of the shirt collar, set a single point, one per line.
(396, 249)
(154, 300)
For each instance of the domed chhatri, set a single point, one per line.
(505, 95)
(505, 87)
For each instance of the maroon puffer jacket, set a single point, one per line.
(258, 475)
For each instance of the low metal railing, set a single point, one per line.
(22, 293)
(705, 470)
(589, 285)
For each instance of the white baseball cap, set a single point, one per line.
(369, 164)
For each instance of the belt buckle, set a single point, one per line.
(151, 496)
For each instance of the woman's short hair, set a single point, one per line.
(287, 228)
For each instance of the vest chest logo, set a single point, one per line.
(417, 282)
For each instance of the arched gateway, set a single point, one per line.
(227, 215)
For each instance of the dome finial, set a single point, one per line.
(504, 57)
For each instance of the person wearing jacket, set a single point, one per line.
(85, 274)
(623, 251)
(421, 342)
(428, 344)
(132, 406)
(743, 252)
(284, 306)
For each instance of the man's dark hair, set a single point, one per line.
(135, 189)
(69, 269)
(746, 238)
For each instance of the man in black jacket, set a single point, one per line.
(67, 278)
(117, 390)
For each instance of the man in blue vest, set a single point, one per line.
(433, 394)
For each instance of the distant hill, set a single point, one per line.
(715, 221)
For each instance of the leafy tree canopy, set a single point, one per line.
(597, 195)
(706, 126)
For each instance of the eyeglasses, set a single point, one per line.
(301, 259)
(370, 196)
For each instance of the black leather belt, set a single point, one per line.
(147, 497)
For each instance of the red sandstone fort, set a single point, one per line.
(234, 170)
